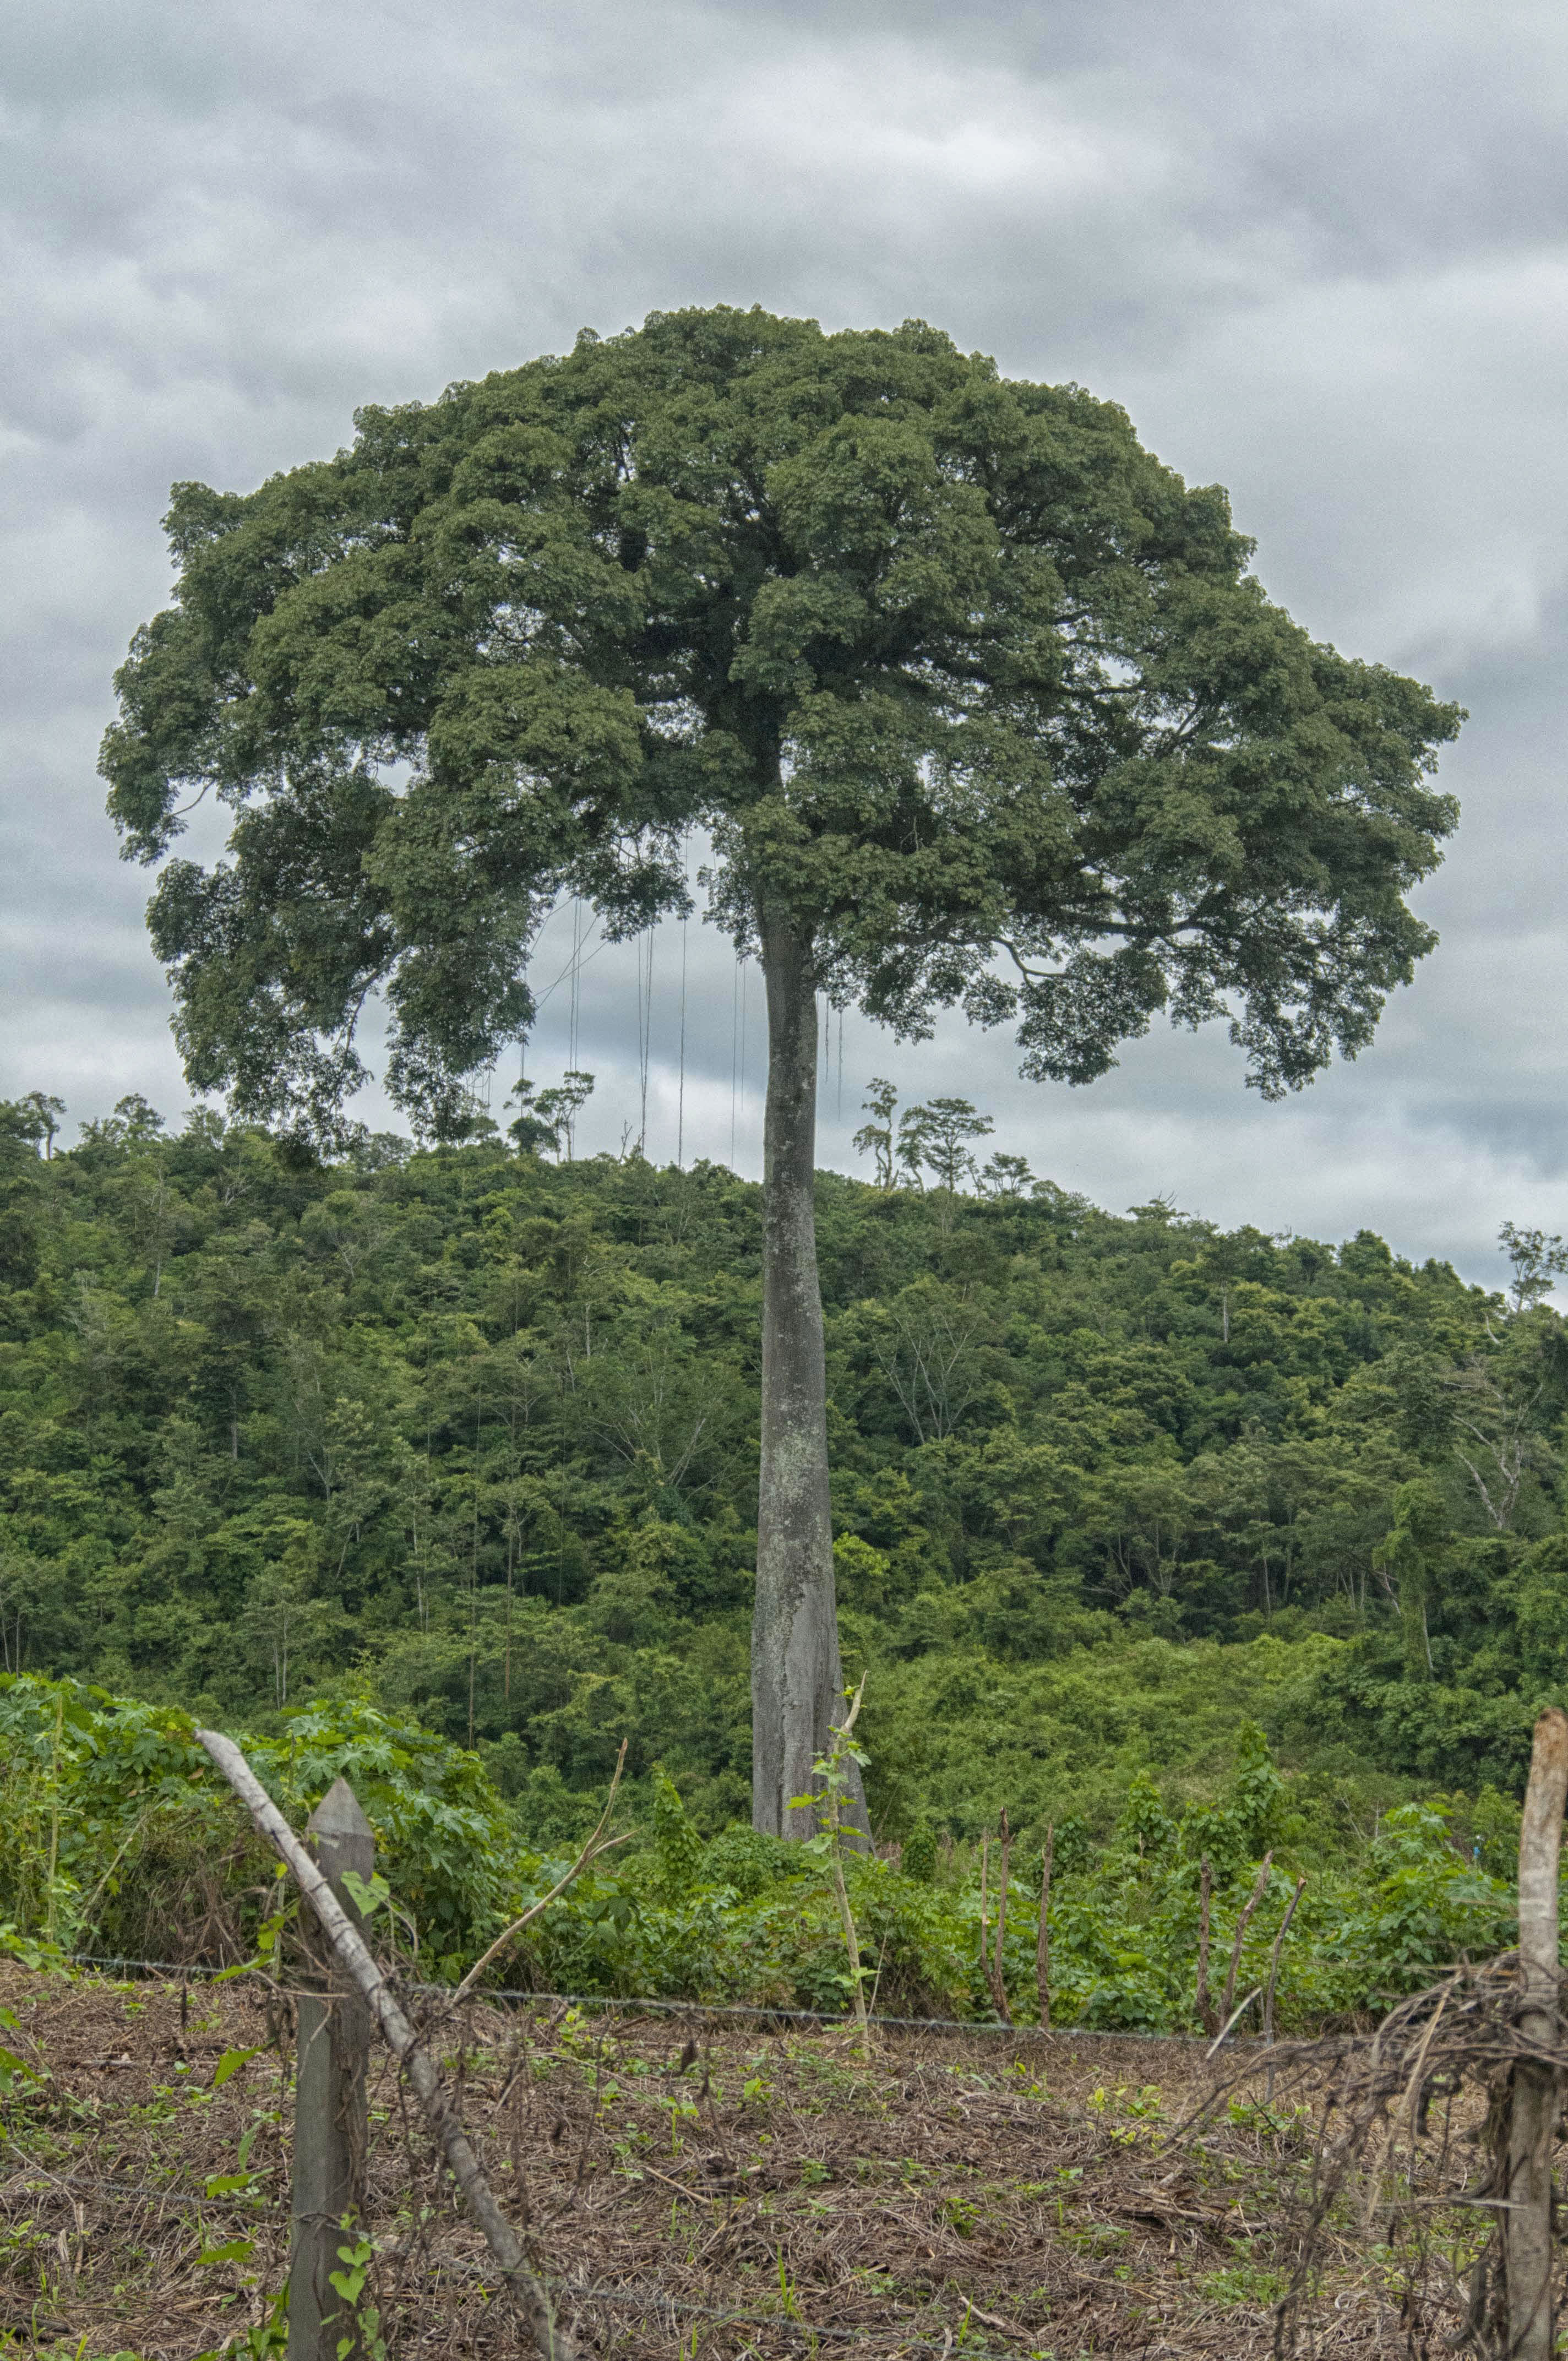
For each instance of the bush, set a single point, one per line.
(749, 1862)
(152, 1857)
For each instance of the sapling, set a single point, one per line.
(1042, 1940)
(994, 1965)
(51, 1896)
(835, 1787)
(1206, 2017)
(1248, 1906)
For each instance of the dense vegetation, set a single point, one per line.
(118, 1838)
(467, 1439)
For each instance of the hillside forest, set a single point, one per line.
(1135, 1520)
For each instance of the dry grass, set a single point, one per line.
(689, 2190)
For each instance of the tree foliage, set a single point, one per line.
(950, 667)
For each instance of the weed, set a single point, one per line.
(263, 2341)
(961, 2215)
(1245, 2283)
(1098, 2238)
(363, 2329)
(832, 1769)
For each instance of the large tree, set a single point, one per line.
(976, 701)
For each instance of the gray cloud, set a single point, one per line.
(1319, 251)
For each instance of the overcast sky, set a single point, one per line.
(1319, 252)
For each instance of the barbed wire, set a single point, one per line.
(660, 2005)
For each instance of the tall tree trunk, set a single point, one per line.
(797, 1681)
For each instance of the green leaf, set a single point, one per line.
(15, 2068)
(233, 2250)
(231, 2061)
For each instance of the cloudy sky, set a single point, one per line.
(1319, 250)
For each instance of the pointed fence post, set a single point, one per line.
(1532, 2113)
(332, 2051)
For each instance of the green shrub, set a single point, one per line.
(152, 1857)
(749, 1862)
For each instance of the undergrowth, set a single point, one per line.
(118, 1838)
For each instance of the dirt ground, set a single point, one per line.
(689, 2187)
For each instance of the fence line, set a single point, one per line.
(649, 2005)
(618, 2270)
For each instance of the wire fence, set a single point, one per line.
(739, 2011)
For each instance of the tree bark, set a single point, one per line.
(797, 1681)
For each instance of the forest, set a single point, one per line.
(470, 1434)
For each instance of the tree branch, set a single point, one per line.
(597, 1844)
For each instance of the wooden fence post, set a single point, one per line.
(1532, 2113)
(517, 2273)
(333, 2049)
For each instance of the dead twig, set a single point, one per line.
(1274, 1957)
(598, 1844)
(1248, 1906)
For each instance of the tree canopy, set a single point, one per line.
(947, 662)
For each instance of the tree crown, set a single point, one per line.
(954, 675)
